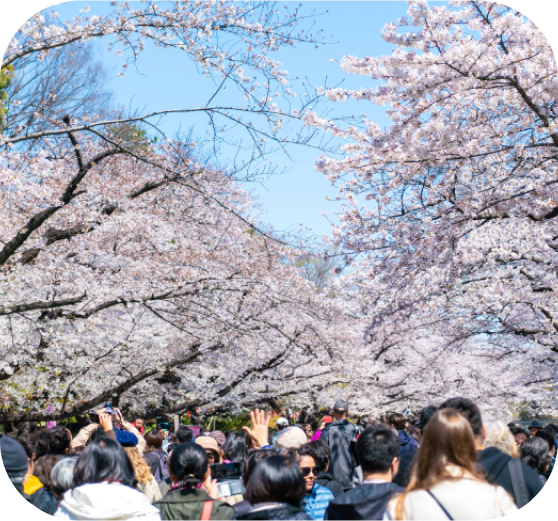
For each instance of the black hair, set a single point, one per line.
(184, 434)
(322, 453)
(547, 437)
(518, 429)
(188, 463)
(376, 447)
(235, 448)
(254, 456)
(534, 452)
(41, 441)
(303, 451)
(61, 440)
(468, 409)
(104, 460)
(276, 479)
(552, 429)
(425, 416)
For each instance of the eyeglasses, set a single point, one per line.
(306, 471)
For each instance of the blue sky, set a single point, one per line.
(164, 79)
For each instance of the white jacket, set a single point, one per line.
(106, 501)
(465, 498)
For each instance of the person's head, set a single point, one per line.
(398, 420)
(552, 428)
(276, 479)
(549, 439)
(235, 448)
(188, 464)
(498, 434)
(291, 438)
(219, 437)
(154, 440)
(61, 440)
(43, 471)
(139, 423)
(141, 468)
(254, 456)
(534, 452)
(306, 459)
(471, 413)
(425, 416)
(414, 432)
(15, 461)
(282, 423)
(519, 435)
(29, 450)
(322, 454)
(41, 441)
(535, 427)
(307, 428)
(211, 448)
(104, 460)
(340, 409)
(63, 475)
(184, 434)
(378, 452)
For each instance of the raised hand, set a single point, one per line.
(259, 431)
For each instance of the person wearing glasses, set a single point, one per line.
(317, 497)
(307, 428)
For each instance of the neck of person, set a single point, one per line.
(479, 443)
(383, 476)
(340, 416)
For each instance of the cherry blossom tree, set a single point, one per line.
(450, 212)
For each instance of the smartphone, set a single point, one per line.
(221, 471)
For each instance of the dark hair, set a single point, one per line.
(188, 463)
(276, 479)
(425, 416)
(547, 437)
(322, 453)
(398, 420)
(552, 429)
(27, 447)
(246, 437)
(534, 452)
(41, 441)
(43, 471)
(104, 460)
(376, 447)
(519, 430)
(414, 432)
(184, 434)
(171, 446)
(61, 440)
(254, 456)
(154, 440)
(468, 409)
(235, 448)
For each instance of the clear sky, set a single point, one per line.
(164, 79)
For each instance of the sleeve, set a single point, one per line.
(221, 510)
(83, 435)
(142, 444)
(317, 435)
(111, 434)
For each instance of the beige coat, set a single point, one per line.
(85, 433)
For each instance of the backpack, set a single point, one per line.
(162, 472)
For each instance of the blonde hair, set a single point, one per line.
(141, 468)
(499, 435)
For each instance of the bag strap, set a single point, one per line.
(206, 511)
(440, 505)
(518, 482)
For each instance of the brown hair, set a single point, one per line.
(43, 471)
(398, 420)
(141, 468)
(154, 441)
(447, 440)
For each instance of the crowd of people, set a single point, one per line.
(450, 465)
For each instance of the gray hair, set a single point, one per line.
(63, 474)
(534, 452)
(498, 435)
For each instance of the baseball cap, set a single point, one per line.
(282, 421)
(328, 419)
(340, 406)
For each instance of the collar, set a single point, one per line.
(31, 484)
(374, 481)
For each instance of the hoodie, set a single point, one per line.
(406, 443)
(367, 501)
(106, 501)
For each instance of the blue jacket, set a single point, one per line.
(318, 501)
(406, 443)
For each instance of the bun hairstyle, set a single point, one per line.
(188, 463)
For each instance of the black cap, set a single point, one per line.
(340, 406)
(536, 424)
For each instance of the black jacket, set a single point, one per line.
(272, 511)
(495, 465)
(406, 465)
(325, 479)
(338, 436)
(367, 501)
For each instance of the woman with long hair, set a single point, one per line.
(193, 494)
(445, 483)
(235, 448)
(104, 487)
(146, 481)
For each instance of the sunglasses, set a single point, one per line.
(306, 471)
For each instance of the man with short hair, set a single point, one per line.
(184, 434)
(15, 462)
(407, 444)
(378, 453)
(501, 469)
(338, 436)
